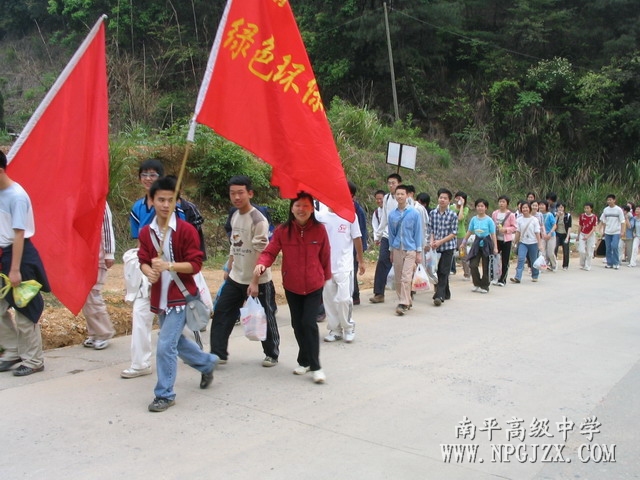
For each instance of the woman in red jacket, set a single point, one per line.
(306, 266)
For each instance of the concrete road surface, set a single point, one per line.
(531, 381)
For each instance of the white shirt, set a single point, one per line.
(15, 214)
(341, 234)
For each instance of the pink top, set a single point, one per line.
(509, 224)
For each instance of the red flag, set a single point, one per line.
(62, 160)
(260, 92)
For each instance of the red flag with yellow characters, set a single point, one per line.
(259, 91)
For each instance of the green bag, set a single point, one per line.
(23, 293)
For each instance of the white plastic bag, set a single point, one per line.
(205, 293)
(495, 267)
(540, 263)
(391, 280)
(420, 281)
(254, 320)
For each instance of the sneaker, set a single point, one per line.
(23, 370)
(482, 290)
(475, 289)
(319, 376)
(377, 299)
(616, 267)
(494, 282)
(269, 362)
(300, 370)
(534, 279)
(608, 266)
(89, 343)
(466, 277)
(161, 404)
(565, 268)
(437, 301)
(514, 280)
(333, 337)
(349, 336)
(100, 344)
(630, 265)
(500, 284)
(356, 301)
(135, 372)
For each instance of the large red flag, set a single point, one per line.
(62, 160)
(260, 92)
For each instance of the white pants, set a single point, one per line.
(549, 251)
(142, 323)
(20, 337)
(338, 302)
(634, 251)
(587, 255)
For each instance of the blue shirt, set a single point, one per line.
(405, 229)
(482, 227)
(141, 215)
(549, 222)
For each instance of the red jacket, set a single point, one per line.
(185, 246)
(306, 256)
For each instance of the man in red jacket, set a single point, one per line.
(181, 246)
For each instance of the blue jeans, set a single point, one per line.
(171, 345)
(525, 251)
(612, 255)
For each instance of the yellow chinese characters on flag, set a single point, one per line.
(260, 92)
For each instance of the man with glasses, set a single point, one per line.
(142, 213)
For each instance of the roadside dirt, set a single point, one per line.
(61, 328)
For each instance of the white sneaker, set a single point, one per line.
(349, 336)
(134, 372)
(475, 289)
(333, 337)
(319, 376)
(300, 370)
(482, 290)
(616, 267)
(494, 282)
(89, 342)
(500, 284)
(100, 344)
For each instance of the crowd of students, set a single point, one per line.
(536, 230)
(321, 256)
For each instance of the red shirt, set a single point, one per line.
(306, 256)
(185, 246)
(587, 223)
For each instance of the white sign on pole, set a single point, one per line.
(401, 155)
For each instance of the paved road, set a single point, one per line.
(563, 350)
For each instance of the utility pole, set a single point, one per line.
(393, 74)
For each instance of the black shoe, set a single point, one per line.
(161, 404)
(437, 301)
(23, 370)
(356, 301)
(6, 365)
(206, 379)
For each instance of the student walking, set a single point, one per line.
(587, 236)
(306, 266)
(528, 240)
(485, 244)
